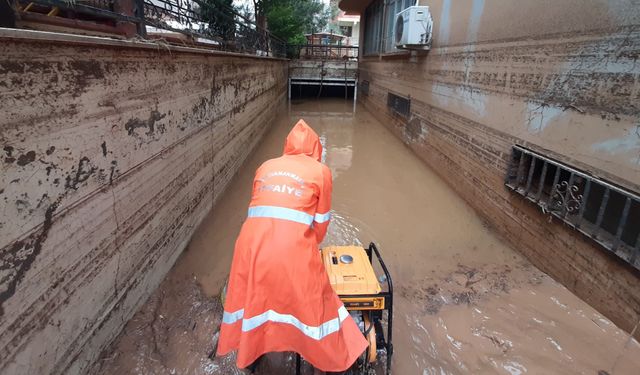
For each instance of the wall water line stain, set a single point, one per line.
(21, 255)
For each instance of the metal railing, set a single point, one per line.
(100, 10)
(224, 28)
(323, 52)
(174, 21)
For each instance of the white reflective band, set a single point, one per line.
(316, 333)
(342, 313)
(230, 318)
(275, 212)
(323, 218)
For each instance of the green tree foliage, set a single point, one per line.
(331, 13)
(291, 19)
(283, 23)
(219, 14)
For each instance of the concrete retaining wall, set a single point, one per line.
(112, 153)
(316, 69)
(560, 77)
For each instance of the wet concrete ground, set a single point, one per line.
(465, 301)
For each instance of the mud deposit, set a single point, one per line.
(465, 302)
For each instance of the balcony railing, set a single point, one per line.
(323, 52)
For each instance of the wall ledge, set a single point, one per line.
(34, 36)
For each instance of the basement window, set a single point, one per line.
(608, 214)
(399, 104)
(364, 87)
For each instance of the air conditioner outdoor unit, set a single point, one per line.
(414, 27)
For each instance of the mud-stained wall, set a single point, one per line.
(112, 153)
(317, 69)
(560, 77)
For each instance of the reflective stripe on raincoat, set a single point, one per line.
(279, 297)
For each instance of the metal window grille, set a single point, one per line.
(399, 104)
(364, 87)
(608, 214)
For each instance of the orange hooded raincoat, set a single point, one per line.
(279, 297)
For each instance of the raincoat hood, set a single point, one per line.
(303, 140)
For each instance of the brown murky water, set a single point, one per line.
(465, 301)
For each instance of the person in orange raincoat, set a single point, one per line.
(279, 297)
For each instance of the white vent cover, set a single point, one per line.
(413, 29)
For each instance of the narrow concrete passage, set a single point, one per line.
(465, 301)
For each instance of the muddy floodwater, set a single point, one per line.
(465, 302)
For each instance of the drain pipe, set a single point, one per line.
(355, 94)
(345, 79)
(322, 73)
